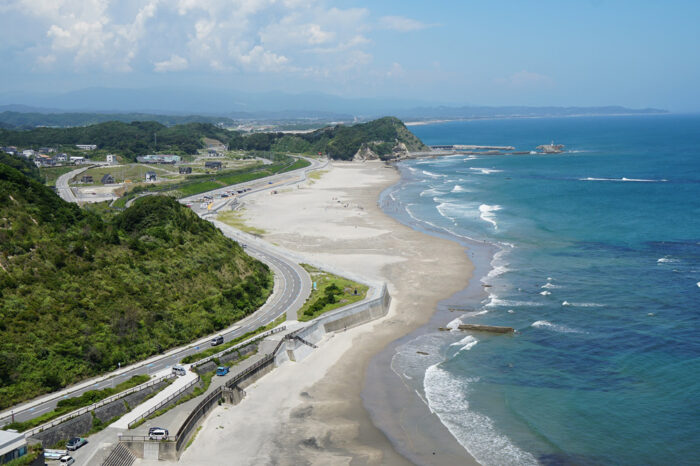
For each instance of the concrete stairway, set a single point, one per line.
(120, 456)
(305, 342)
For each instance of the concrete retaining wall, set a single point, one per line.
(81, 425)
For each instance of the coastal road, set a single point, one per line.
(62, 187)
(292, 287)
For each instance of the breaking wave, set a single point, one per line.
(555, 327)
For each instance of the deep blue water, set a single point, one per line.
(598, 269)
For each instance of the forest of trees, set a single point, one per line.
(81, 293)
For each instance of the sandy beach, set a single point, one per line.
(312, 412)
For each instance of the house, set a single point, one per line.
(107, 179)
(86, 146)
(10, 150)
(213, 165)
(77, 160)
(47, 150)
(42, 160)
(86, 179)
(59, 158)
(158, 158)
(150, 176)
(185, 170)
(13, 445)
(28, 153)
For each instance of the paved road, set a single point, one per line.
(292, 288)
(62, 187)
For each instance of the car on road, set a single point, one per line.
(75, 443)
(158, 434)
(153, 429)
(222, 370)
(217, 340)
(67, 459)
(179, 370)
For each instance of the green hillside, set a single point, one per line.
(339, 142)
(80, 294)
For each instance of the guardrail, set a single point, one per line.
(92, 407)
(262, 336)
(164, 402)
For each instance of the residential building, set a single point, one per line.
(77, 160)
(12, 446)
(185, 170)
(28, 153)
(213, 165)
(9, 150)
(150, 176)
(111, 159)
(47, 150)
(86, 146)
(61, 158)
(107, 179)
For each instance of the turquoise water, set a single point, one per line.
(597, 267)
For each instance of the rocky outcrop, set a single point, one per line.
(365, 153)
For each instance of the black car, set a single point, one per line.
(75, 443)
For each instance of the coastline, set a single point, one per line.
(316, 407)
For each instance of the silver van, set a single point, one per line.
(158, 434)
(179, 370)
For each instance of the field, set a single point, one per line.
(50, 175)
(330, 292)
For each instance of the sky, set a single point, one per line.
(459, 52)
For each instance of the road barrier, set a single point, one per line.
(262, 336)
(92, 407)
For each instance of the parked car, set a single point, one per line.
(67, 459)
(179, 370)
(153, 429)
(217, 340)
(158, 434)
(222, 370)
(75, 443)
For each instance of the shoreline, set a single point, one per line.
(319, 417)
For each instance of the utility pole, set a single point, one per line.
(155, 141)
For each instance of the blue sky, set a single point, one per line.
(498, 52)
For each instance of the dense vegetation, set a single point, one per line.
(339, 142)
(28, 120)
(22, 164)
(127, 139)
(80, 293)
(137, 138)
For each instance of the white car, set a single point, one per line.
(158, 434)
(67, 459)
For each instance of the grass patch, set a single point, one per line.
(216, 349)
(332, 292)
(71, 404)
(235, 219)
(316, 175)
(194, 436)
(51, 174)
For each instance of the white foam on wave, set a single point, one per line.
(454, 324)
(623, 179)
(545, 293)
(485, 171)
(447, 398)
(432, 191)
(459, 189)
(486, 213)
(466, 343)
(495, 301)
(698, 283)
(667, 260)
(555, 327)
(433, 175)
(475, 313)
(550, 285)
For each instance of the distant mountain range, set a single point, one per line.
(268, 106)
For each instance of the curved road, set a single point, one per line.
(292, 287)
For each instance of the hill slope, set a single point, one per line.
(80, 294)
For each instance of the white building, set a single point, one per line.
(28, 153)
(111, 159)
(12, 446)
(86, 146)
(77, 160)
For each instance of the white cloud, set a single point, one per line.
(174, 63)
(402, 24)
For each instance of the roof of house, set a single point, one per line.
(10, 441)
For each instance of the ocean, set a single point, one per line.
(594, 259)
